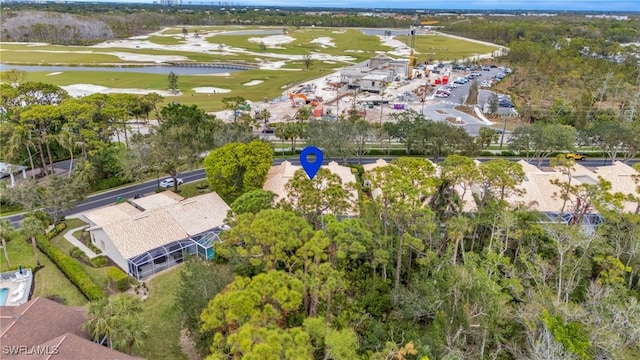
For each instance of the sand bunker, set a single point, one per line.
(80, 90)
(272, 40)
(54, 73)
(210, 90)
(148, 58)
(252, 82)
(324, 41)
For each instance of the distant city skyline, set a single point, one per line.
(478, 5)
(537, 5)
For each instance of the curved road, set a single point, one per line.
(110, 196)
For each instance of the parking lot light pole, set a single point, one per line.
(504, 128)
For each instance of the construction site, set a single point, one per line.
(376, 88)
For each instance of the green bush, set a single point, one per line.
(93, 248)
(70, 268)
(56, 230)
(75, 252)
(99, 261)
(118, 278)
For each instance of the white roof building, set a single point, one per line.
(152, 233)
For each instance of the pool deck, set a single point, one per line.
(19, 286)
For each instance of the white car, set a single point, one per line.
(168, 183)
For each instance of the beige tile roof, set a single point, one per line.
(278, 176)
(111, 214)
(540, 194)
(170, 218)
(144, 232)
(201, 213)
(378, 163)
(621, 177)
(343, 171)
(159, 200)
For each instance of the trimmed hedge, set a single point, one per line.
(56, 230)
(70, 267)
(118, 278)
(99, 261)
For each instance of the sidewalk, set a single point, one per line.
(75, 242)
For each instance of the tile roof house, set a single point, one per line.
(44, 329)
(156, 230)
(279, 175)
(539, 194)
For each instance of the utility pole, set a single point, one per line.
(504, 129)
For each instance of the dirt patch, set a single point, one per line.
(455, 121)
(441, 111)
(187, 346)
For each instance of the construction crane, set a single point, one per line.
(412, 45)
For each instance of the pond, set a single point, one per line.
(152, 69)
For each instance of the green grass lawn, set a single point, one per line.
(74, 55)
(350, 39)
(272, 86)
(166, 40)
(160, 315)
(438, 47)
(98, 275)
(49, 280)
(194, 189)
(40, 57)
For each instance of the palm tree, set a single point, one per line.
(6, 229)
(117, 320)
(456, 229)
(131, 334)
(67, 139)
(32, 227)
(281, 133)
(21, 136)
(99, 324)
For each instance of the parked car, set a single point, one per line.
(269, 130)
(486, 68)
(505, 104)
(168, 182)
(575, 156)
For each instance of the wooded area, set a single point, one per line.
(403, 271)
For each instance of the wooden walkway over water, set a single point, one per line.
(214, 65)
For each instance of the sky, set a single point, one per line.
(558, 5)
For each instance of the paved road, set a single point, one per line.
(110, 197)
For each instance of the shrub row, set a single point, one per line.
(72, 270)
(93, 248)
(118, 278)
(56, 230)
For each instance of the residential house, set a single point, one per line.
(44, 329)
(149, 234)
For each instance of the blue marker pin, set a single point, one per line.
(311, 168)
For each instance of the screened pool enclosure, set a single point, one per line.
(166, 256)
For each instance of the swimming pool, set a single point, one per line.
(3, 296)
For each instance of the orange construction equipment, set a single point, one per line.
(317, 111)
(292, 96)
